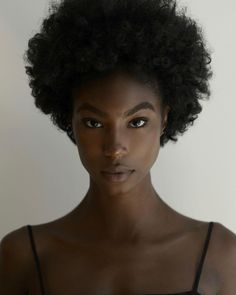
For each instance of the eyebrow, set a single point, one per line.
(143, 105)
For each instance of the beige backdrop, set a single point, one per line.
(41, 177)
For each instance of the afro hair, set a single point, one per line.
(81, 40)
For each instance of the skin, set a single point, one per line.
(122, 238)
(114, 209)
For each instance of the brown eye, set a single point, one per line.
(90, 123)
(138, 120)
(93, 124)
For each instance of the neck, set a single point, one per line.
(134, 215)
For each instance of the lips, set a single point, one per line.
(117, 170)
(117, 174)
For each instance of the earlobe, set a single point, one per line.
(167, 110)
(165, 118)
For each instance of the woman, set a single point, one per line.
(121, 78)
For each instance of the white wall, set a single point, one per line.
(41, 177)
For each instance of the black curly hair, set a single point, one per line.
(81, 40)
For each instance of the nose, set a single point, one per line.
(117, 152)
(115, 146)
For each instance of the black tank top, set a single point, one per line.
(191, 292)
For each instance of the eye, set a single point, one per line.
(93, 124)
(145, 120)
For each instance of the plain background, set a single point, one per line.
(41, 176)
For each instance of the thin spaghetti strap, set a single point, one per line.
(32, 242)
(200, 266)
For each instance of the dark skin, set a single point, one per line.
(122, 238)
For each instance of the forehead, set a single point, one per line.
(119, 91)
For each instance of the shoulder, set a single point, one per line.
(224, 250)
(225, 242)
(14, 259)
(14, 245)
(222, 243)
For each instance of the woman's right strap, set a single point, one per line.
(36, 259)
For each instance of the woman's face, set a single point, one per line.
(117, 123)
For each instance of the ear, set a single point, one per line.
(165, 116)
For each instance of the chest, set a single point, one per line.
(115, 270)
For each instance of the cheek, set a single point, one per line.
(87, 148)
(90, 144)
(152, 146)
(146, 147)
(87, 157)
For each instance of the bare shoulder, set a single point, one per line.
(225, 241)
(14, 245)
(14, 261)
(225, 255)
(229, 235)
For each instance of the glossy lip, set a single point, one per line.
(117, 176)
(118, 169)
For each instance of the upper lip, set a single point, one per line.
(117, 170)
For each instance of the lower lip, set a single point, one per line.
(117, 177)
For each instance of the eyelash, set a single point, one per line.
(85, 120)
